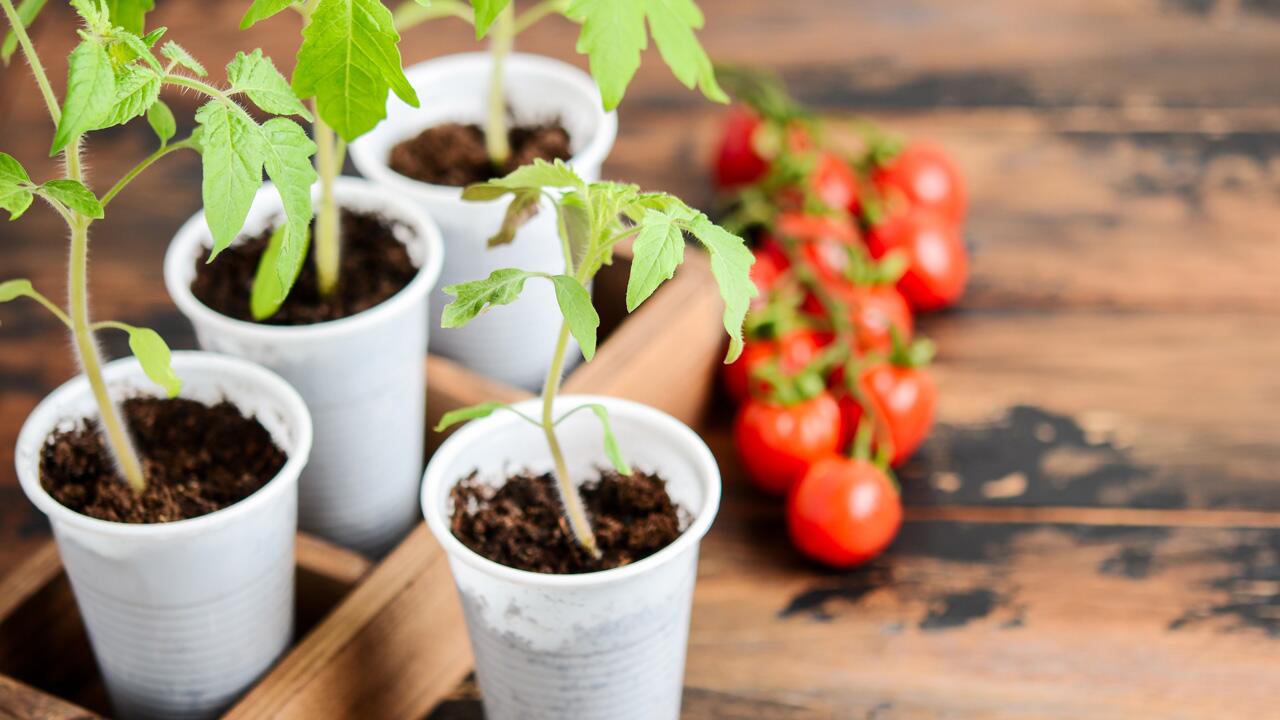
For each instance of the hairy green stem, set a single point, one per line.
(574, 511)
(328, 244)
(502, 40)
(37, 69)
(137, 170)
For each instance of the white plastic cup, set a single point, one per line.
(183, 616)
(595, 646)
(363, 376)
(515, 344)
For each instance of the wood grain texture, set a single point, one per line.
(1093, 524)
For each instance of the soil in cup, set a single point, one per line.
(454, 154)
(375, 266)
(197, 459)
(522, 525)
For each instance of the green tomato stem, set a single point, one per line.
(328, 245)
(531, 16)
(410, 14)
(137, 170)
(37, 68)
(495, 130)
(574, 511)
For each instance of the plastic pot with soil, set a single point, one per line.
(186, 589)
(356, 355)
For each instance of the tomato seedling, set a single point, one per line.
(592, 219)
(116, 74)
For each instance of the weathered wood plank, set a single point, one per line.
(20, 702)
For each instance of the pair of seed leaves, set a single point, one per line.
(592, 218)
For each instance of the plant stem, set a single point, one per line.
(537, 12)
(328, 246)
(495, 130)
(137, 169)
(411, 14)
(578, 523)
(37, 68)
(78, 282)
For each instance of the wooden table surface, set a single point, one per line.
(1094, 529)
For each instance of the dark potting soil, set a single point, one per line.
(521, 524)
(454, 154)
(375, 265)
(196, 458)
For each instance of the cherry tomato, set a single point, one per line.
(737, 162)
(843, 512)
(876, 309)
(905, 400)
(823, 239)
(771, 263)
(777, 443)
(835, 183)
(926, 176)
(937, 262)
(794, 350)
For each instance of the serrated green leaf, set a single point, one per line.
(137, 89)
(91, 93)
(537, 175)
(474, 412)
(154, 356)
(94, 12)
(256, 76)
(232, 151)
(574, 226)
(658, 251)
(27, 11)
(502, 287)
(287, 159)
(130, 14)
(14, 289)
(672, 23)
(523, 207)
(160, 117)
(153, 37)
(15, 187)
(579, 313)
(731, 265)
(75, 196)
(126, 47)
(261, 10)
(612, 37)
(611, 449)
(486, 11)
(179, 55)
(271, 282)
(348, 61)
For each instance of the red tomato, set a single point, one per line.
(770, 263)
(937, 262)
(927, 177)
(843, 512)
(824, 240)
(777, 443)
(876, 309)
(794, 350)
(835, 183)
(737, 162)
(905, 400)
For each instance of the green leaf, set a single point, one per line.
(502, 287)
(348, 61)
(232, 151)
(161, 120)
(137, 89)
(95, 13)
(611, 449)
(261, 10)
(91, 93)
(579, 313)
(27, 12)
(130, 14)
(153, 37)
(179, 55)
(287, 159)
(486, 11)
(672, 23)
(537, 175)
(256, 76)
(154, 356)
(731, 265)
(658, 251)
(15, 187)
(523, 207)
(613, 36)
(14, 289)
(574, 227)
(74, 195)
(453, 417)
(275, 275)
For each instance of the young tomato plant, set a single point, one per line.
(593, 218)
(115, 75)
